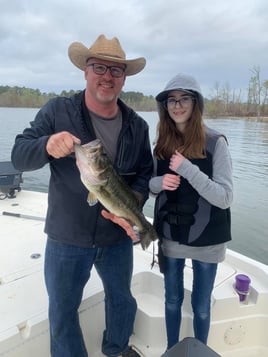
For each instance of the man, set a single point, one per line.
(78, 234)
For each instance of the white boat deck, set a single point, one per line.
(237, 329)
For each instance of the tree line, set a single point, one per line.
(223, 101)
(21, 97)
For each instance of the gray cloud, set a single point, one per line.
(214, 41)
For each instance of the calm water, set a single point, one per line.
(248, 142)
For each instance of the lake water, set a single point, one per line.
(248, 143)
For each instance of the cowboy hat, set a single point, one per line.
(108, 50)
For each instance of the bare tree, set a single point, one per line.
(226, 94)
(255, 90)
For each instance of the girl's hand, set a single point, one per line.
(175, 161)
(171, 182)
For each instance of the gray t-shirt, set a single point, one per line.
(218, 191)
(107, 130)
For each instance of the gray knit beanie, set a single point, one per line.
(185, 83)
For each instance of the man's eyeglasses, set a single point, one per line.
(100, 69)
(184, 102)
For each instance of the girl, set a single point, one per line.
(193, 184)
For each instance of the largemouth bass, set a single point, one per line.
(107, 187)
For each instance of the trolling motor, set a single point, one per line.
(190, 347)
(10, 180)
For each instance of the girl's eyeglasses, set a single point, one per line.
(184, 102)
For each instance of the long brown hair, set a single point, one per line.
(190, 143)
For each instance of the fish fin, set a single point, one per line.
(92, 199)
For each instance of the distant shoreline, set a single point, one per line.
(260, 119)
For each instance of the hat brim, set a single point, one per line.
(163, 95)
(79, 54)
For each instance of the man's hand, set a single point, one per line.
(122, 223)
(61, 144)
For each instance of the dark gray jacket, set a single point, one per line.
(69, 217)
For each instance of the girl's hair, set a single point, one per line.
(190, 143)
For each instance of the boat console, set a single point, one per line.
(10, 180)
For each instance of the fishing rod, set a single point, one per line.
(20, 215)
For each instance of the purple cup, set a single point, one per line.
(242, 283)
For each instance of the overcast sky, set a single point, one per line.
(215, 41)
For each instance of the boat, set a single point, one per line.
(238, 318)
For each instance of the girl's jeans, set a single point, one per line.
(203, 280)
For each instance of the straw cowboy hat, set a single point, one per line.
(108, 50)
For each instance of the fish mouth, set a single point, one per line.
(94, 143)
(93, 146)
(87, 161)
(90, 149)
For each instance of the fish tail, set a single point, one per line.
(146, 237)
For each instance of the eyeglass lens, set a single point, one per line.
(183, 102)
(101, 69)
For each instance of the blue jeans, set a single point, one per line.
(67, 270)
(203, 280)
